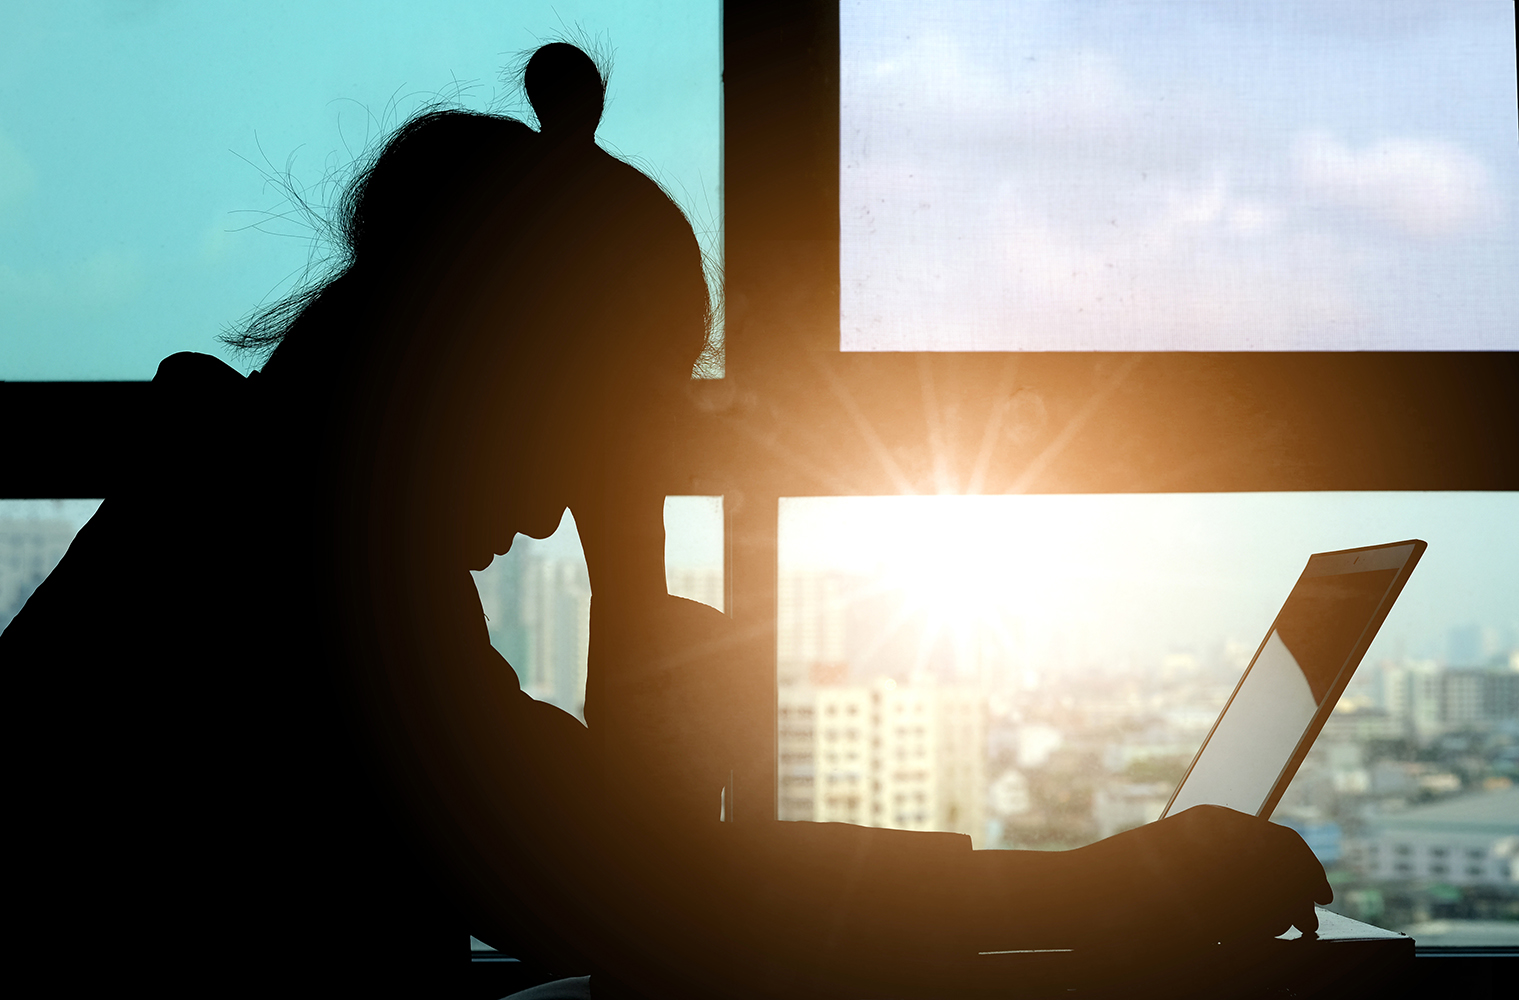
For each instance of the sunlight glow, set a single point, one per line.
(1045, 581)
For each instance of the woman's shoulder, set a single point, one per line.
(190, 371)
(165, 508)
(202, 422)
(196, 398)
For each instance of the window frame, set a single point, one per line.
(795, 416)
(800, 417)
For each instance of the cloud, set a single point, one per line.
(1196, 263)
(1424, 187)
(1001, 189)
(1184, 284)
(1377, 20)
(1210, 270)
(950, 97)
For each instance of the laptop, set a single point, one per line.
(1295, 678)
(1246, 763)
(1249, 758)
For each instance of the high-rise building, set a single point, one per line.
(702, 584)
(538, 613)
(909, 757)
(1428, 700)
(29, 549)
(810, 623)
(1468, 840)
(556, 615)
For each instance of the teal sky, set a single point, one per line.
(136, 136)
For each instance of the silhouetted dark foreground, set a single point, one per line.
(263, 744)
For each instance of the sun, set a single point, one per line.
(950, 566)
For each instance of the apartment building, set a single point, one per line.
(1468, 840)
(904, 756)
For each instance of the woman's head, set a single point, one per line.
(449, 183)
(510, 296)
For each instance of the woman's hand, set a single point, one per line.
(1204, 875)
(617, 476)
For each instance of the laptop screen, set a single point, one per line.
(1297, 675)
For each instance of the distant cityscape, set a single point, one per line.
(29, 549)
(1410, 797)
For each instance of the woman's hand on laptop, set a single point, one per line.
(1209, 874)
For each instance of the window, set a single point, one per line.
(808, 420)
(537, 597)
(34, 535)
(110, 263)
(899, 419)
(1147, 175)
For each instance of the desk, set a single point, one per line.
(1346, 959)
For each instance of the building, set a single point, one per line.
(556, 616)
(909, 757)
(1362, 725)
(29, 549)
(1426, 700)
(810, 623)
(1009, 795)
(703, 585)
(1469, 840)
(538, 612)
(1120, 806)
(843, 761)
(796, 753)
(1479, 696)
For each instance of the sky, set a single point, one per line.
(1256, 173)
(1108, 577)
(1153, 175)
(138, 139)
(1132, 576)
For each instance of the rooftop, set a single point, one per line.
(1494, 812)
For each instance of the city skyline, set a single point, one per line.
(1400, 797)
(1246, 547)
(1145, 574)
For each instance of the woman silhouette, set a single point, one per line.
(309, 770)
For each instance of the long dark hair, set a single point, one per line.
(450, 183)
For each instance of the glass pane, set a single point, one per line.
(145, 148)
(537, 602)
(34, 535)
(537, 597)
(1152, 175)
(694, 549)
(1038, 671)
